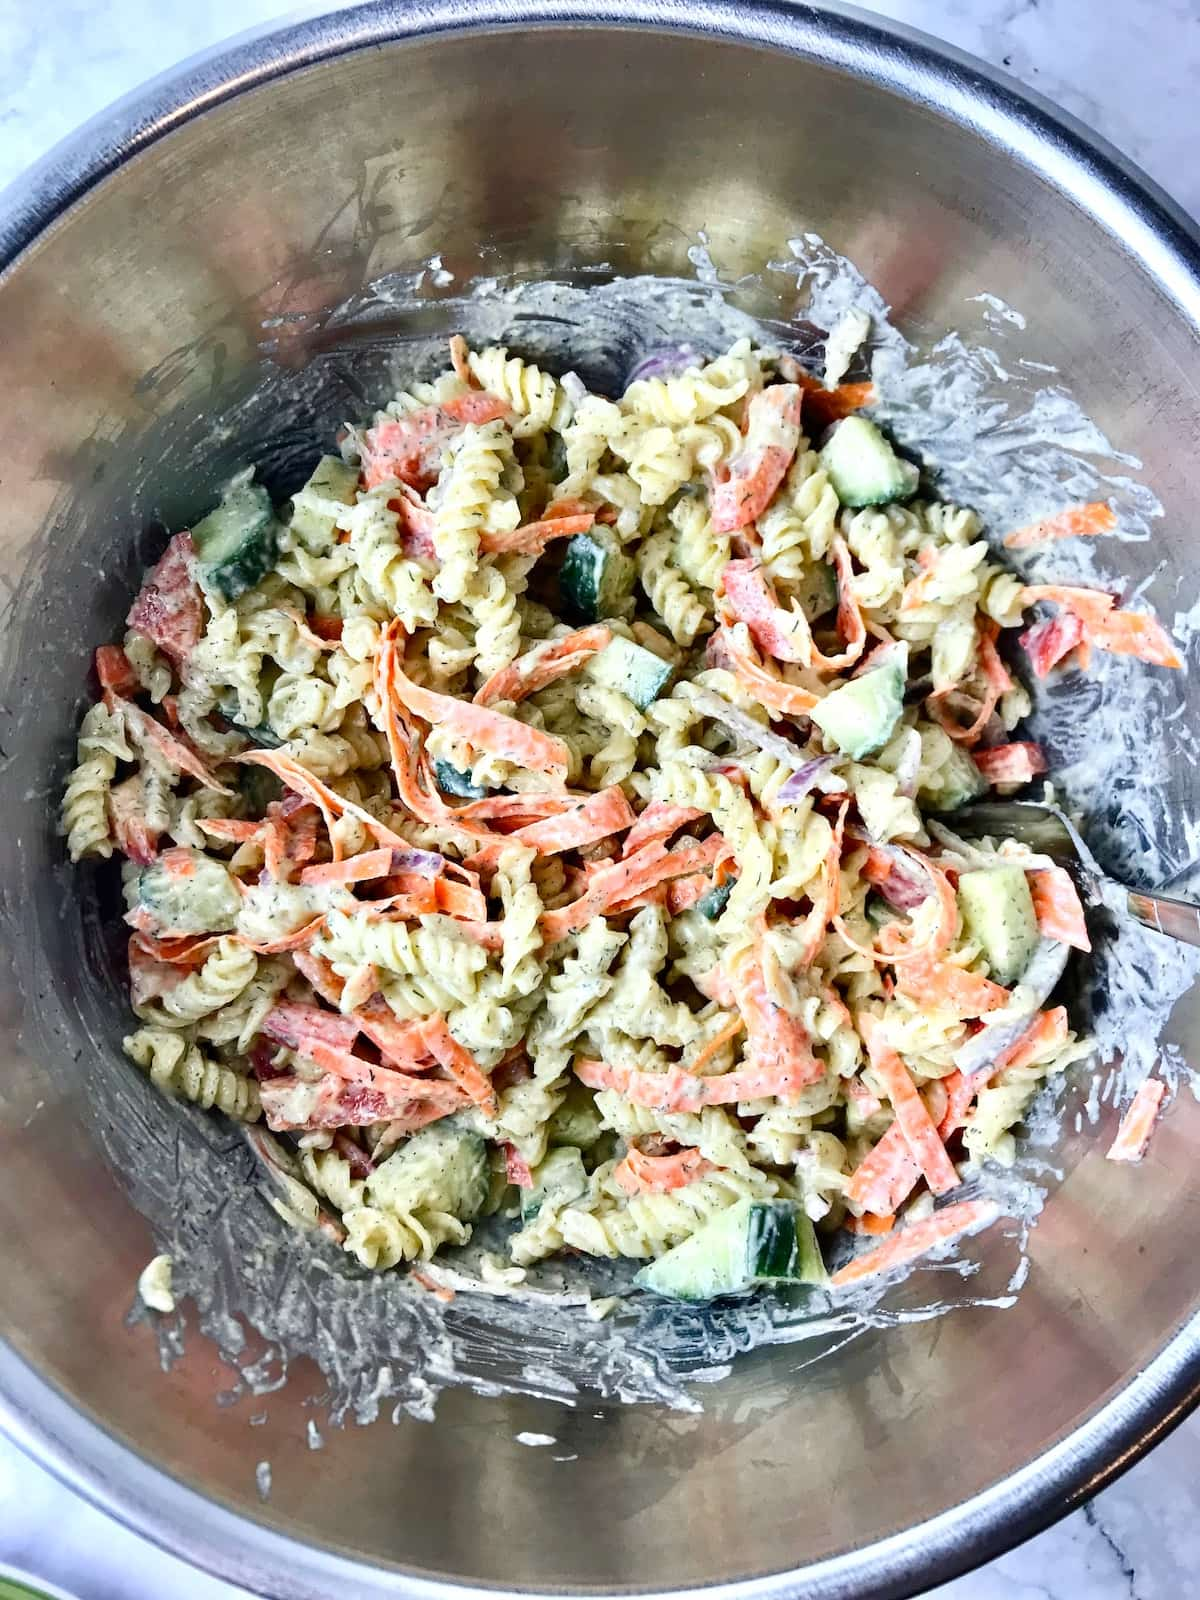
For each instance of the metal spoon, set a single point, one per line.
(1045, 829)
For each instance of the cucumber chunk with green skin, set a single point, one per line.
(755, 1241)
(316, 507)
(236, 544)
(259, 734)
(638, 673)
(442, 1168)
(577, 1121)
(956, 783)
(451, 781)
(712, 904)
(596, 578)
(204, 901)
(862, 466)
(816, 590)
(859, 716)
(558, 1180)
(997, 912)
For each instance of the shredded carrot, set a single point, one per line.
(1047, 1029)
(483, 729)
(460, 900)
(960, 1091)
(869, 1223)
(940, 983)
(776, 1041)
(748, 597)
(1057, 906)
(1126, 633)
(544, 664)
(331, 805)
(914, 1119)
(941, 935)
(951, 1222)
(1138, 1122)
(1075, 523)
(289, 942)
(659, 820)
(146, 730)
(1010, 763)
(533, 537)
(827, 908)
(231, 828)
(717, 1043)
(772, 433)
(399, 1043)
(822, 406)
(114, 671)
(519, 808)
(358, 869)
(638, 1173)
(319, 972)
(851, 624)
(600, 815)
(616, 881)
(787, 699)
(460, 1064)
(886, 1176)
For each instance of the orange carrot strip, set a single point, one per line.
(951, 1222)
(290, 941)
(616, 881)
(1134, 633)
(544, 664)
(400, 1043)
(319, 972)
(910, 1110)
(776, 1041)
(114, 671)
(1077, 522)
(941, 983)
(851, 624)
(638, 1173)
(826, 909)
(331, 805)
(941, 935)
(786, 698)
(460, 900)
(358, 869)
(600, 815)
(519, 808)
(460, 1064)
(1138, 1122)
(886, 1176)
(533, 537)
(960, 1091)
(823, 406)
(659, 820)
(754, 474)
(1010, 763)
(869, 1223)
(1089, 605)
(229, 828)
(1057, 906)
(483, 729)
(749, 597)
(147, 731)
(718, 1041)
(1047, 1028)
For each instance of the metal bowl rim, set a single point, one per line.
(75, 1447)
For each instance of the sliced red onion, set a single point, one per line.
(1003, 1028)
(804, 779)
(744, 727)
(907, 885)
(427, 862)
(666, 362)
(909, 764)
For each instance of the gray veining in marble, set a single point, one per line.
(1133, 73)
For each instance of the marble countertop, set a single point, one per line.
(1137, 85)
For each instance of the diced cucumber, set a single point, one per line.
(997, 912)
(816, 589)
(596, 577)
(862, 466)
(755, 1241)
(557, 1181)
(638, 673)
(205, 900)
(859, 717)
(956, 782)
(451, 781)
(712, 904)
(260, 734)
(316, 507)
(442, 1168)
(236, 544)
(577, 1120)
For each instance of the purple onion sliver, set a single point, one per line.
(803, 779)
(427, 862)
(665, 362)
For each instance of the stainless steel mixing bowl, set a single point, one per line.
(543, 137)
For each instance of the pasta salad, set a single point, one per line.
(549, 811)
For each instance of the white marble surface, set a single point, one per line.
(1131, 72)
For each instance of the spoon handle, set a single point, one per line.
(1178, 919)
